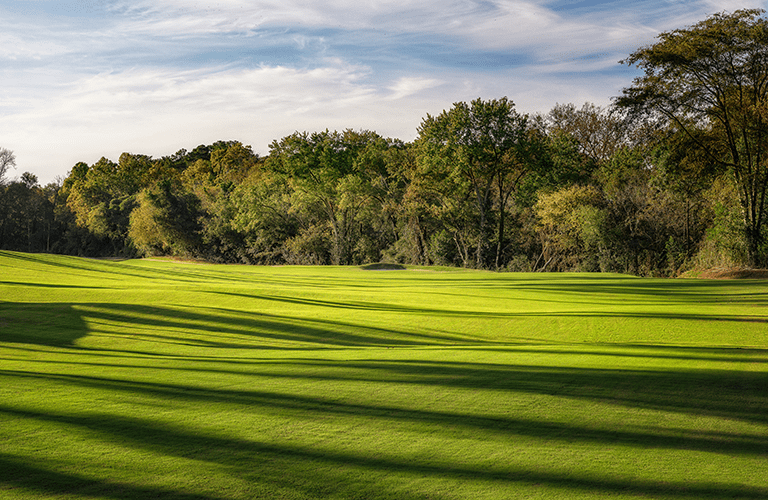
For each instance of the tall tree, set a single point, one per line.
(331, 178)
(598, 131)
(7, 161)
(487, 144)
(713, 76)
(683, 169)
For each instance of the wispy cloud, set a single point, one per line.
(408, 86)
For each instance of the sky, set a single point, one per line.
(81, 80)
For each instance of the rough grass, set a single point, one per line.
(148, 379)
(728, 273)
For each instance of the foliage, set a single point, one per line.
(709, 81)
(335, 179)
(483, 149)
(166, 221)
(572, 226)
(598, 132)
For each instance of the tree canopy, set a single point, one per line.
(710, 81)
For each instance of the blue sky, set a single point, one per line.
(86, 79)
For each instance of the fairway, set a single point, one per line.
(162, 379)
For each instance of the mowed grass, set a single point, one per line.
(157, 379)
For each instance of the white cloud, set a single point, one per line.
(408, 86)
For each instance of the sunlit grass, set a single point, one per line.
(157, 379)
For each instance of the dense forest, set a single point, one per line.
(672, 176)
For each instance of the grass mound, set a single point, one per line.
(157, 379)
(381, 266)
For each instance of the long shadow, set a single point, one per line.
(674, 291)
(732, 394)
(228, 328)
(668, 291)
(76, 266)
(643, 351)
(533, 346)
(739, 395)
(46, 324)
(317, 470)
(731, 398)
(61, 324)
(16, 472)
(424, 310)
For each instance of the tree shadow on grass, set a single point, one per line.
(727, 395)
(454, 313)
(46, 324)
(230, 328)
(635, 350)
(17, 472)
(325, 472)
(112, 271)
(329, 471)
(600, 288)
(63, 324)
(668, 291)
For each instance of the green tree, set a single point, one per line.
(332, 181)
(571, 225)
(165, 220)
(712, 77)
(263, 216)
(25, 212)
(681, 167)
(598, 131)
(484, 144)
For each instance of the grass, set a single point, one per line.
(159, 379)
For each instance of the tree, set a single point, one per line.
(485, 143)
(262, 214)
(25, 212)
(7, 161)
(165, 220)
(599, 132)
(570, 227)
(102, 197)
(710, 81)
(332, 180)
(683, 169)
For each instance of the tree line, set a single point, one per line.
(672, 176)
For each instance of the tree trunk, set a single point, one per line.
(500, 236)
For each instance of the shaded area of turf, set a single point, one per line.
(17, 472)
(731, 395)
(50, 324)
(381, 266)
(283, 465)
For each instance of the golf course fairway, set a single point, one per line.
(172, 380)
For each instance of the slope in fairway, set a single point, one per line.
(156, 379)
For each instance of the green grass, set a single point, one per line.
(157, 379)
